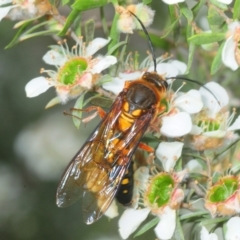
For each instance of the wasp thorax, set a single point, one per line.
(155, 79)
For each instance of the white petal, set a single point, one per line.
(214, 100)
(190, 102)
(232, 26)
(115, 86)
(112, 211)
(194, 166)
(196, 130)
(141, 175)
(228, 54)
(95, 45)
(130, 221)
(166, 69)
(180, 66)
(235, 125)
(53, 57)
(103, 64)
(5, 10)
(206, 236)
(225, 1)
(173, 1)
(3, 2)
(168, 153)
(176, 125)
(37, 86)
(130, 76)
(233, 229)
(166, 227)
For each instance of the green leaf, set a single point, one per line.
(77, 115)
(114, 33)
(114, 48)
(37, 34)
(170, 28)
(186, 11)
(147, 226)
(103, 79)
(191, 49)
(236, 10)
(214, 18)
(157, 41)
(178, 234)
(175, 25)
(83, 5)
(198, 6)
(69, 21)
(193, 215)
(215, 220)
(15, 39)
(64, 2)
(205, 38)
(53, 102)
(217, 61)
(89, 29)
(219, 4)
(146, 1)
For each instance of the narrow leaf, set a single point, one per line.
(147, 226)
(89, 30)
(114, 33)
(193, 215)
(198, 6)
(191, 49)
(115, 47)
(217, 61)
(214, 220)
(77, 115)
(178, 234)
(236, 10)
(53, 102)
(186, 11)
(81, 5)
(219, 4)
(69, 21)
(15, 39)
(205, 38)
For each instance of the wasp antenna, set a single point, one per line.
(194, 81)
(149, 41)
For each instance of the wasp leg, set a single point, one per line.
(146, 147)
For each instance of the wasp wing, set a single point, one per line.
(101, 193)
(71, 186)
(97, 169)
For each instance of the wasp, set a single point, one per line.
(96, 171)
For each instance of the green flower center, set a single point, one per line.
(224, 189)
(72, 70)
(209, 126)
(161, 189)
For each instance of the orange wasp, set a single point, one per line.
(96, 171)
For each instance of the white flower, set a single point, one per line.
(231, 52)
(171, 68)
(24, 8)
(233, 230)
(208, 236)
(127, 22)
(112, 211)
(76, 70)
(132, 218)
(168, 153)
(225, 1)
(173, 1)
